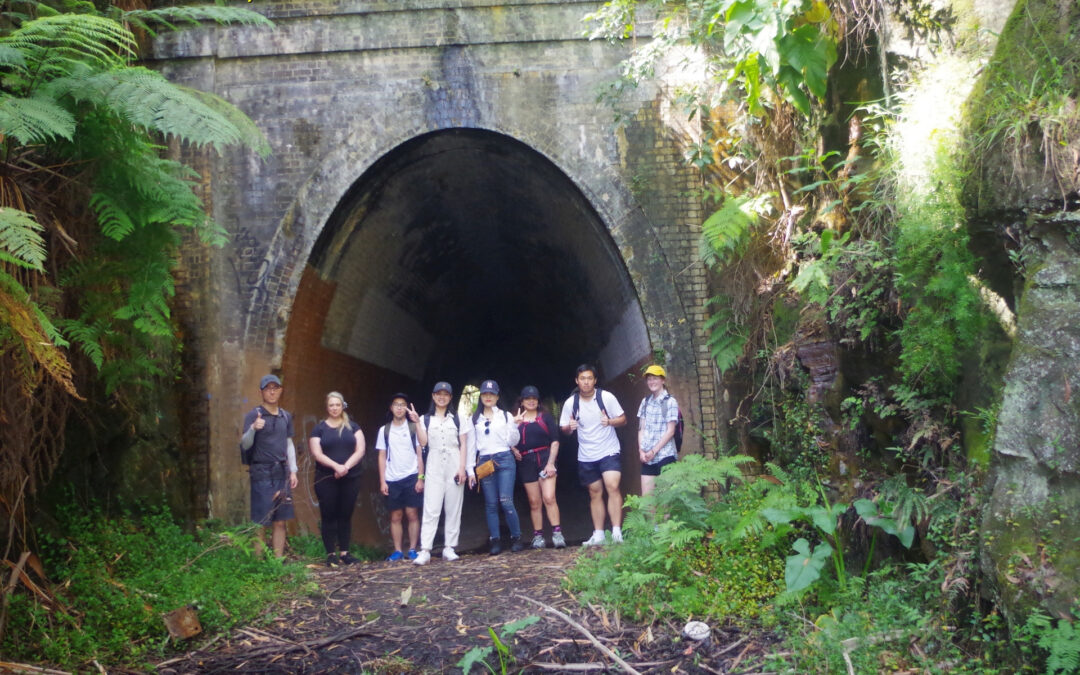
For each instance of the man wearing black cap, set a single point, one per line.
(267, 447)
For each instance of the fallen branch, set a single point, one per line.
(584, 631)
(11, 588)
(8, 667)
(564, 667)
(287, 647)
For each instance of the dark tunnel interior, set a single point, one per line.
(462, 255)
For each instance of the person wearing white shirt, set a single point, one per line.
(401, 473)
(495, 434)
(594, 415)
(441, 432)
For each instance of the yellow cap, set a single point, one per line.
(656, 370)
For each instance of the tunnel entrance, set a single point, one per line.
(462, 255)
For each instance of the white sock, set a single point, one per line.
(597, 534)
(616, 531)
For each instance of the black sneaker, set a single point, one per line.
(348, 559)
(496, 546)
(332, 561)
(516, 545)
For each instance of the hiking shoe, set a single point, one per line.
(516, 544)
(347, 559)
(538, 541)
(448, 553)
(411, 554)
(558, 540)
(422, 558)
(616, 537)
(496, 546)
(332, 561)
(597, 539)
(395, 556)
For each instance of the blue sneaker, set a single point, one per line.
(412, 554)
(395, 556)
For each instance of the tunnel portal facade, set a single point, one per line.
(448, 203)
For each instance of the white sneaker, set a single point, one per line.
(557, 540)
(422, 558)
(616, 537)
(597, 539)
(448, 554)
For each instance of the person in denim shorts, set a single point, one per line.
(401, 473)
(594, 414)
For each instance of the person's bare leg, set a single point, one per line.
(395, 528)
(259, 545)
(547, 487)
(279, 538)
(596, 504)
(414, 526)
(648, 484)
(532, 491)
(614, 497)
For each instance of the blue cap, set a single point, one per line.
(267, 380)
(442, 386)
(489, 387)
(530, 392)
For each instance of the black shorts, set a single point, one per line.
(530, 465)
(403, 494)
(654, 469)
(590, 472)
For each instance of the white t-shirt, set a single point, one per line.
(401, 458)
(595, 441)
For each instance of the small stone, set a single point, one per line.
(698, 631)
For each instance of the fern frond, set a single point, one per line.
(11, 57)
(145, 98)
(34, 120)
(179, 18)
(88, 337)
(31, 329)
(21, 242)
(115, 222)
(53, 46)
(724, 234)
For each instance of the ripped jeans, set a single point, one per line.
(498, 489)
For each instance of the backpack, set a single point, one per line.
(598, 397)
(386, 438)
(247, 455)
(678, 423)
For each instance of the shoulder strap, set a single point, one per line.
(427, 421)
(600, 400)
(453, 416)
(542, 423)
(577, 405)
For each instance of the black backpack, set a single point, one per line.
(386, 439)
(574, 412)
(247, 455)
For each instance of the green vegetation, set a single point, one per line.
(92, 213)
(498, 647)
(117, 576)
(851, 313)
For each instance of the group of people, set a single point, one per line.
(427, 460)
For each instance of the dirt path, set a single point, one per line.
(401, 618)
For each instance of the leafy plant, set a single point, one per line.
(499, 647)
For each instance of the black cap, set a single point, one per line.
(489, 387)
(401, 396)
(530, 392)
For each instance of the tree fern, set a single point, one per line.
(54, 46)
(21, 243)
(34, 120)
(178, 18)
(30, 328)
(724, 337)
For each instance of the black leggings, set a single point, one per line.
(337, 500)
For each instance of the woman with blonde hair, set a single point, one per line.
(337, 445)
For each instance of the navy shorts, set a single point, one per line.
(271, 498)
(654, 469)
(403, 494)
(530, 465)
(590, 472)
